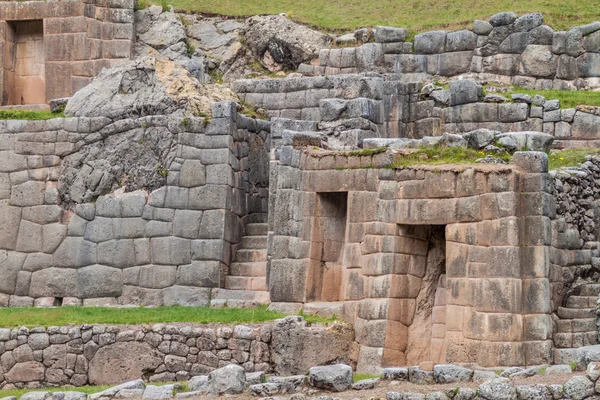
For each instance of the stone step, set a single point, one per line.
(576, 313)
(250, 255)
(245, 283)
(565, 356)
(575, 340)
(590, 289)
(259, 297)
(248, 269)
(576, 325)
(254, 242)
(257, 229)
(581, 301)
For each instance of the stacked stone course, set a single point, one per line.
(510, 49)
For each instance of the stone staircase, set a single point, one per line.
(576, 326)
(246, 284)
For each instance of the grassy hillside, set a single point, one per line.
(416, 15)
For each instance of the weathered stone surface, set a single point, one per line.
(430, 42)
(464, 92)
(539, 61)
(336, 378)
(498, 389)
(122, 361)
(388, 34)
(448, 373)
(227, 380)
(503, 18)
(278, 43)
(578, 388)
(25, 372)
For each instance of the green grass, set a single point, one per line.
(569, 158)
(359, 377)
(29, 115)
(437, 155)
(568, 98)
(416, 15)
(85, 389)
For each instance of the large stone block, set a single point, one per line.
(589, 65)
(456, 63)
(430, 42)
(585, 126)
(187, 296)
(170, 251)
(75, 252)
(465, 91)
(124, 361)
(54, 282)
(28, 194)
(287, 280)
(539, 61)
(117, 253)
(202, 273)
(99, 281)
(157, 276)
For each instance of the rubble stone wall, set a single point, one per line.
(79, 39)
(353, 107)
(112, 354)
(520, 51)
(168, 246)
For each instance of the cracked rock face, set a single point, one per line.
(146, 86)
(135, 159)
(280, 44)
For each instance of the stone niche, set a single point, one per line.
(24, 63)
(51, 49)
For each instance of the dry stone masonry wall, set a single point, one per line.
(512, 49)
(72, 235)
(79, 39)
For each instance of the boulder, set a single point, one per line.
(335, 378)
(137, 384)
(527, 22)
(166, 30)
(541, 35)
(158, 392)
(289, 384)
(452, 140)
(482, 376)
(281, 44)
(588, 354)
(539, 61)
(578, 388)
(482, 27)
(449, 373)
(35, 396)
(521, 98)
(430, 42)
(497, 389)
(420, 377)
(480, 138)
(533, 392)
(465, 91)
(388, 34)
(122, 361)
(297, 347)
(461, 41)
(230, 379)
(365, 384)
(146, 86)
(536, 141)
(559, 369)
(198, 383)
(395, 374)
(503, 18)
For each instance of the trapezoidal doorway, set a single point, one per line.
(24, 71)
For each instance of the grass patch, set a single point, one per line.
(568, 98)
(415, 15)
(85, 389)
(444, 155)
(252, 112)
(359, 377)
(29, 115)
(569, 158)
(34, 317)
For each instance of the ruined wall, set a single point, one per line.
(520, 51)
(79, 39)
(496, 232)
(168, 245)
(113, 354)
(351, 108)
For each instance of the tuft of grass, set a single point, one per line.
(189, 49)
(415, 15)
(164, 5)
(444, 155)
(568, 98)
(29, 115)
(569, 158)
(85, 389)
(359, 377)
(141, 4)
(34, 317)
(573, 365)
(250, 111)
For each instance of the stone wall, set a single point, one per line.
(112, 354)
(350, 108)
(169, 245)
(497, 296)
(511, 49)
(79, 39)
